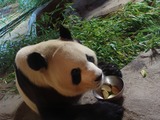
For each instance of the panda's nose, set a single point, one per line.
(99, 78)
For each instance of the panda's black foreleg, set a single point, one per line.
(57, 113)
(97, 111)
(110, 69)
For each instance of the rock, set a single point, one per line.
(108, 7)
(8, 106)
(141, 95)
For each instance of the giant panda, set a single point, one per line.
(51, 77)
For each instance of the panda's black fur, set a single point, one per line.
(52, 105)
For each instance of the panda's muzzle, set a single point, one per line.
(99, 78)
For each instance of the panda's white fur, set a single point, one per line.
(62, 57)
(45, 88)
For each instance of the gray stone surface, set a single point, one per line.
(8, 106)
(142, 95)
(108, 7)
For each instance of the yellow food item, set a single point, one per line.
(109, 91)
(115, 90)
(143, 73)
(105, 94)
(106, 87)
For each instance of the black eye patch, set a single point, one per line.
(90, 58)
(76, 76)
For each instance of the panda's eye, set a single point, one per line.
(76, 76)
(90, 58)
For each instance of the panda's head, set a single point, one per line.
(63, 64)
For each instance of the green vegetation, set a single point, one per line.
(120, 36)
(8, 84)
(23, 3)
(4, 3)
(116, 38)
(27, 4)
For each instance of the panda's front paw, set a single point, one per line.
(108, 111)
(109, 69)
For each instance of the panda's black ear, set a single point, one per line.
(36, 61)
(65, 34)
